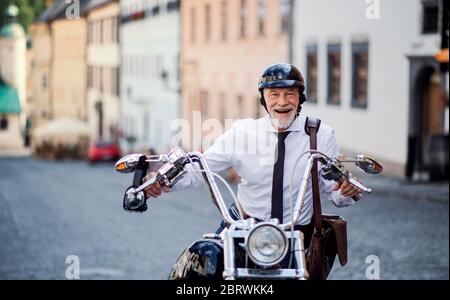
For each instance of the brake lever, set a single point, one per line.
(358, 184)
(146, 184)
(335, 170)
(167, 175)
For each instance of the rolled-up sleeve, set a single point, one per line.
(332, 150)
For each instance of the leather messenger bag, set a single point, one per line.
(330, 232)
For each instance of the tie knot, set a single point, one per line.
(282, 135)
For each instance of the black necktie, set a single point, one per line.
(277, 184)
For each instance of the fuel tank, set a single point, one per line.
(202, 259)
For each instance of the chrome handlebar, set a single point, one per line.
(174, 169)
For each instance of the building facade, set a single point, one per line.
(12, 82)
(150, 34)
(371, 75)
(59, 67)
(40, 73)
(103, 61)
(69, 68)
(225, 47)
(76, 58)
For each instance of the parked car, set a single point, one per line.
(102, 150)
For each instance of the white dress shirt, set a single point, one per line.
(250, 148)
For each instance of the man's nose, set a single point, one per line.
(282, 100)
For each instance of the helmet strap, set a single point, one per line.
(299, 109)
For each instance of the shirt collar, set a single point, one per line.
(297, 125)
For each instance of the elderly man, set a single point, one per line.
(264, 189)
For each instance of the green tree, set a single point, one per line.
(29, 10)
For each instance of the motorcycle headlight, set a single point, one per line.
(266, 244)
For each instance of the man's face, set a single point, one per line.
(282, 104)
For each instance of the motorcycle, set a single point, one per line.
(246, 248)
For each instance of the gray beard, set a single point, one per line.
(284, 124)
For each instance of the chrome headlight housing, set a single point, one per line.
(266, 244)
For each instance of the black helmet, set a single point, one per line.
(279, 76)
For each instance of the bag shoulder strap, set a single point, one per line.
(312, 126)
(312, 123)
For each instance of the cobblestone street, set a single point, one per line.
(50, 210)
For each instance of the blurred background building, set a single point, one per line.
(371, 74)
(225, 46)
(150, 74)
(103, 63)
(12, 81)
(59, 67)
(376, 71)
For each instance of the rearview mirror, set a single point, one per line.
(368, 164)
(128, 163)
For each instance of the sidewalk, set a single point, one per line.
(22, 152)
(392, 186)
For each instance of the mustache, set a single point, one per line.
(282, 107)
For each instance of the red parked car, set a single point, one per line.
(102, 150)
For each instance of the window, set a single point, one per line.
(207, 22)
(115, 81)
(90, 33)
(222, 102)
(94, 32)
(261, 16)
(173, 5)
(100, 79)
(140, 63)
(285, 15)
(115, 30)
(193, 25)
(224, 20)
(178, 66)
(204, 104)
(44, 81)
(90, 82)
(95, 77)
(240, 106)
(146, 126)
(3, 123)
(311, 74)
(360, 74)
(159, 67)
(127, 65)
(107, 30)
(155, 10)
(242, 15)
(334, 74)
(101, 28)
(430, 13)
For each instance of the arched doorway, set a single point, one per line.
(426, 141)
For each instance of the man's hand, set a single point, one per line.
(348, 189)
(155, 189)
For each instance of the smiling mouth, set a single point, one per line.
(283, 111)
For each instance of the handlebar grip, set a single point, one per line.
(355, 198)
(147, 183)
